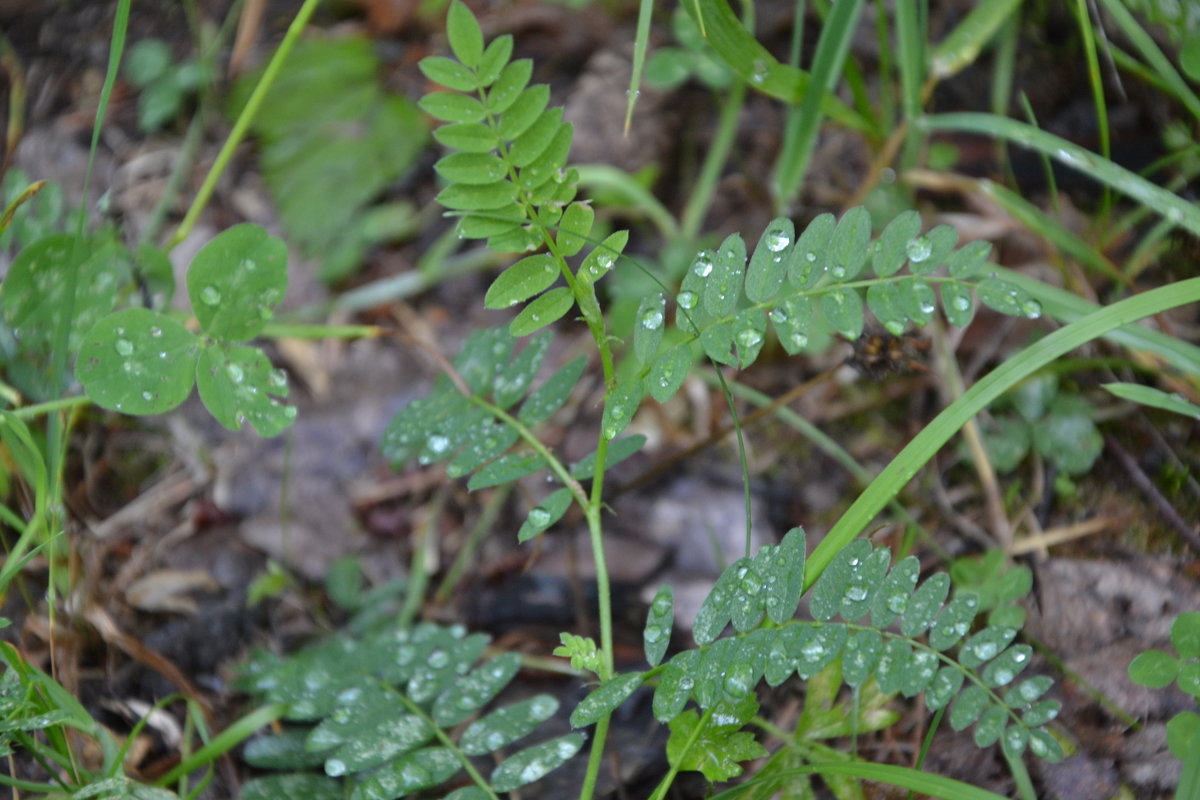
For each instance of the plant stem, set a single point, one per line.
(242, 124)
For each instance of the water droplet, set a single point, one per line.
(565, 749)
(856, 593)
(1019, 657)
(810, 257)
(539, 517)
(249, 265)
(635, 94)
(897, 603)
(236, 374)
(156, 332)
(687, 683)
(812, 651)
(652, 319)
(147, 396)
(703, 266)
(210, 295)
(652, 635)
(749, 338)
(1031, 309)
(439, 658)
(740, 681)
(289, 412)
(335, 767)
(962, 303)
(778, 316)
(894, 327)
(759, 71)
(927, 307)
(686, 300)
(124, 347)
(777, 241)
(1001, 677)
(919, 249)
(838, 272)
(278, 378)
(438, 443)
(985, 650)
(661, 606)
(799, 340)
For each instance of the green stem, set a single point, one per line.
(665, 785)
(50, 406)
(242, 124)
(474, 774)
(714, 162)
(925, 444)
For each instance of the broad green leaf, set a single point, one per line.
(844, 310)
(550, 396)
(522, 280)
(890, 249)
(723, 286)
(300, 784)
(137, 362)
(849, 246)
(660, 622)
(452, 107)
(884, 301)
(927, 253)
(648, 327)
(534, 763)
(497, 222)
(957, 304)
(462, 30)
(508, 87)
(478, 197)
(449, 73)
(893, 596)
(620, 407)
(536, 138)
(791, 321)
(574, 228)
(925, 604)
(495, 57)
(618, 451)
(968, 261)
(675, 684)
(471, 168)
(505, 469)
(506, 725)
(545, 514)
(944, 686)
(1007, 665)
(550, 307)
(715, 751)
(470, 137)
(473, 691)
(769, 264)
(967, 708)
(859, 659)
(421, 769)
(238, 384)
(984, 646)
(236, 280)
(1185, 634)
(669, 372)
(601, 702)
(807, 264)
(955, 621)
(524, 111)
(917, 299)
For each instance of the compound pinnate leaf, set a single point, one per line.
(421, 769)
(495, 57)
(890, 249)
(475, 690)
(137, 362)
(534, 763)
(239, 385)
(660, 621)
(235, 282)
(522, 280)
(466, 38)
(506, 725)
(769, 264)
(550, 307)
(545, 514)
(470, 137)
(604, 699)
(550, 396)
(282, 751)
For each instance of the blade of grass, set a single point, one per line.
(1170, 205)
(910, 61)
(1154, 56)
(640, 43)
(925, 444)
(904, 777)
(1096, 82)
(963, 45)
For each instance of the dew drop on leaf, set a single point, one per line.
(147, 396)
(962, 303)
(838, 272)
(778, 241)
(210, 295)
(124, 347)
(335, 768)
(919, 249)
(652, 319)
(235, 373)
(438, 443)
(156, 332)
(686, 300)
(540, 517)
(749, 337)
(1031, 309)
(439, 658)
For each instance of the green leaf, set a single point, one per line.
(985, 646)
(819, 647)
(967, 708)
(890, 249)
(840, 580)
(508, 87)
(715, 751)
(451, 107)
(791, 321)
(675, 684)
(957, 303)
(601, 702)
(534, 140)
(717, 342)
(483, 352)
(482, 442)
(524, 111)
(505, 469)
(1154, 669)
(574, 228)
(1185, 634)
(924, 604)
(550, 396)
(844, 310)
(944, 686)
(723, 283)
(917, 299)
(236, 280)
(1183, 735)
(660, 622)
(137, 362)
(550, 307)
(889, 674)
(535, 762)
(893, 596)
(478, 197)
(462, 29)
(859, 659)
(749, 331)
(238, 384)
(620, 407)
(1041, 713)
(918, 672)
(968, 261)
(548, 512)
(147, 61)
(470, 137)
(782, 568)
(769, 264)
(716, 610)
(472, 168)
(282, 751)
(990, 726)
(418, 770)
(582, 652)
(618, 451)
(648, 328)
(449, 73)
(475, 690)
(849, 246)
(669, 372)
(955, 621)
(884, 301)
(511, 383)
(1008, 298)
(306, 785)
(927, 253)
(807, 264)
(495, 57)
(1149, 396)
(1027, 691)
(1068, 437)
(522, 280)
(506, 725)
(1007, 665)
